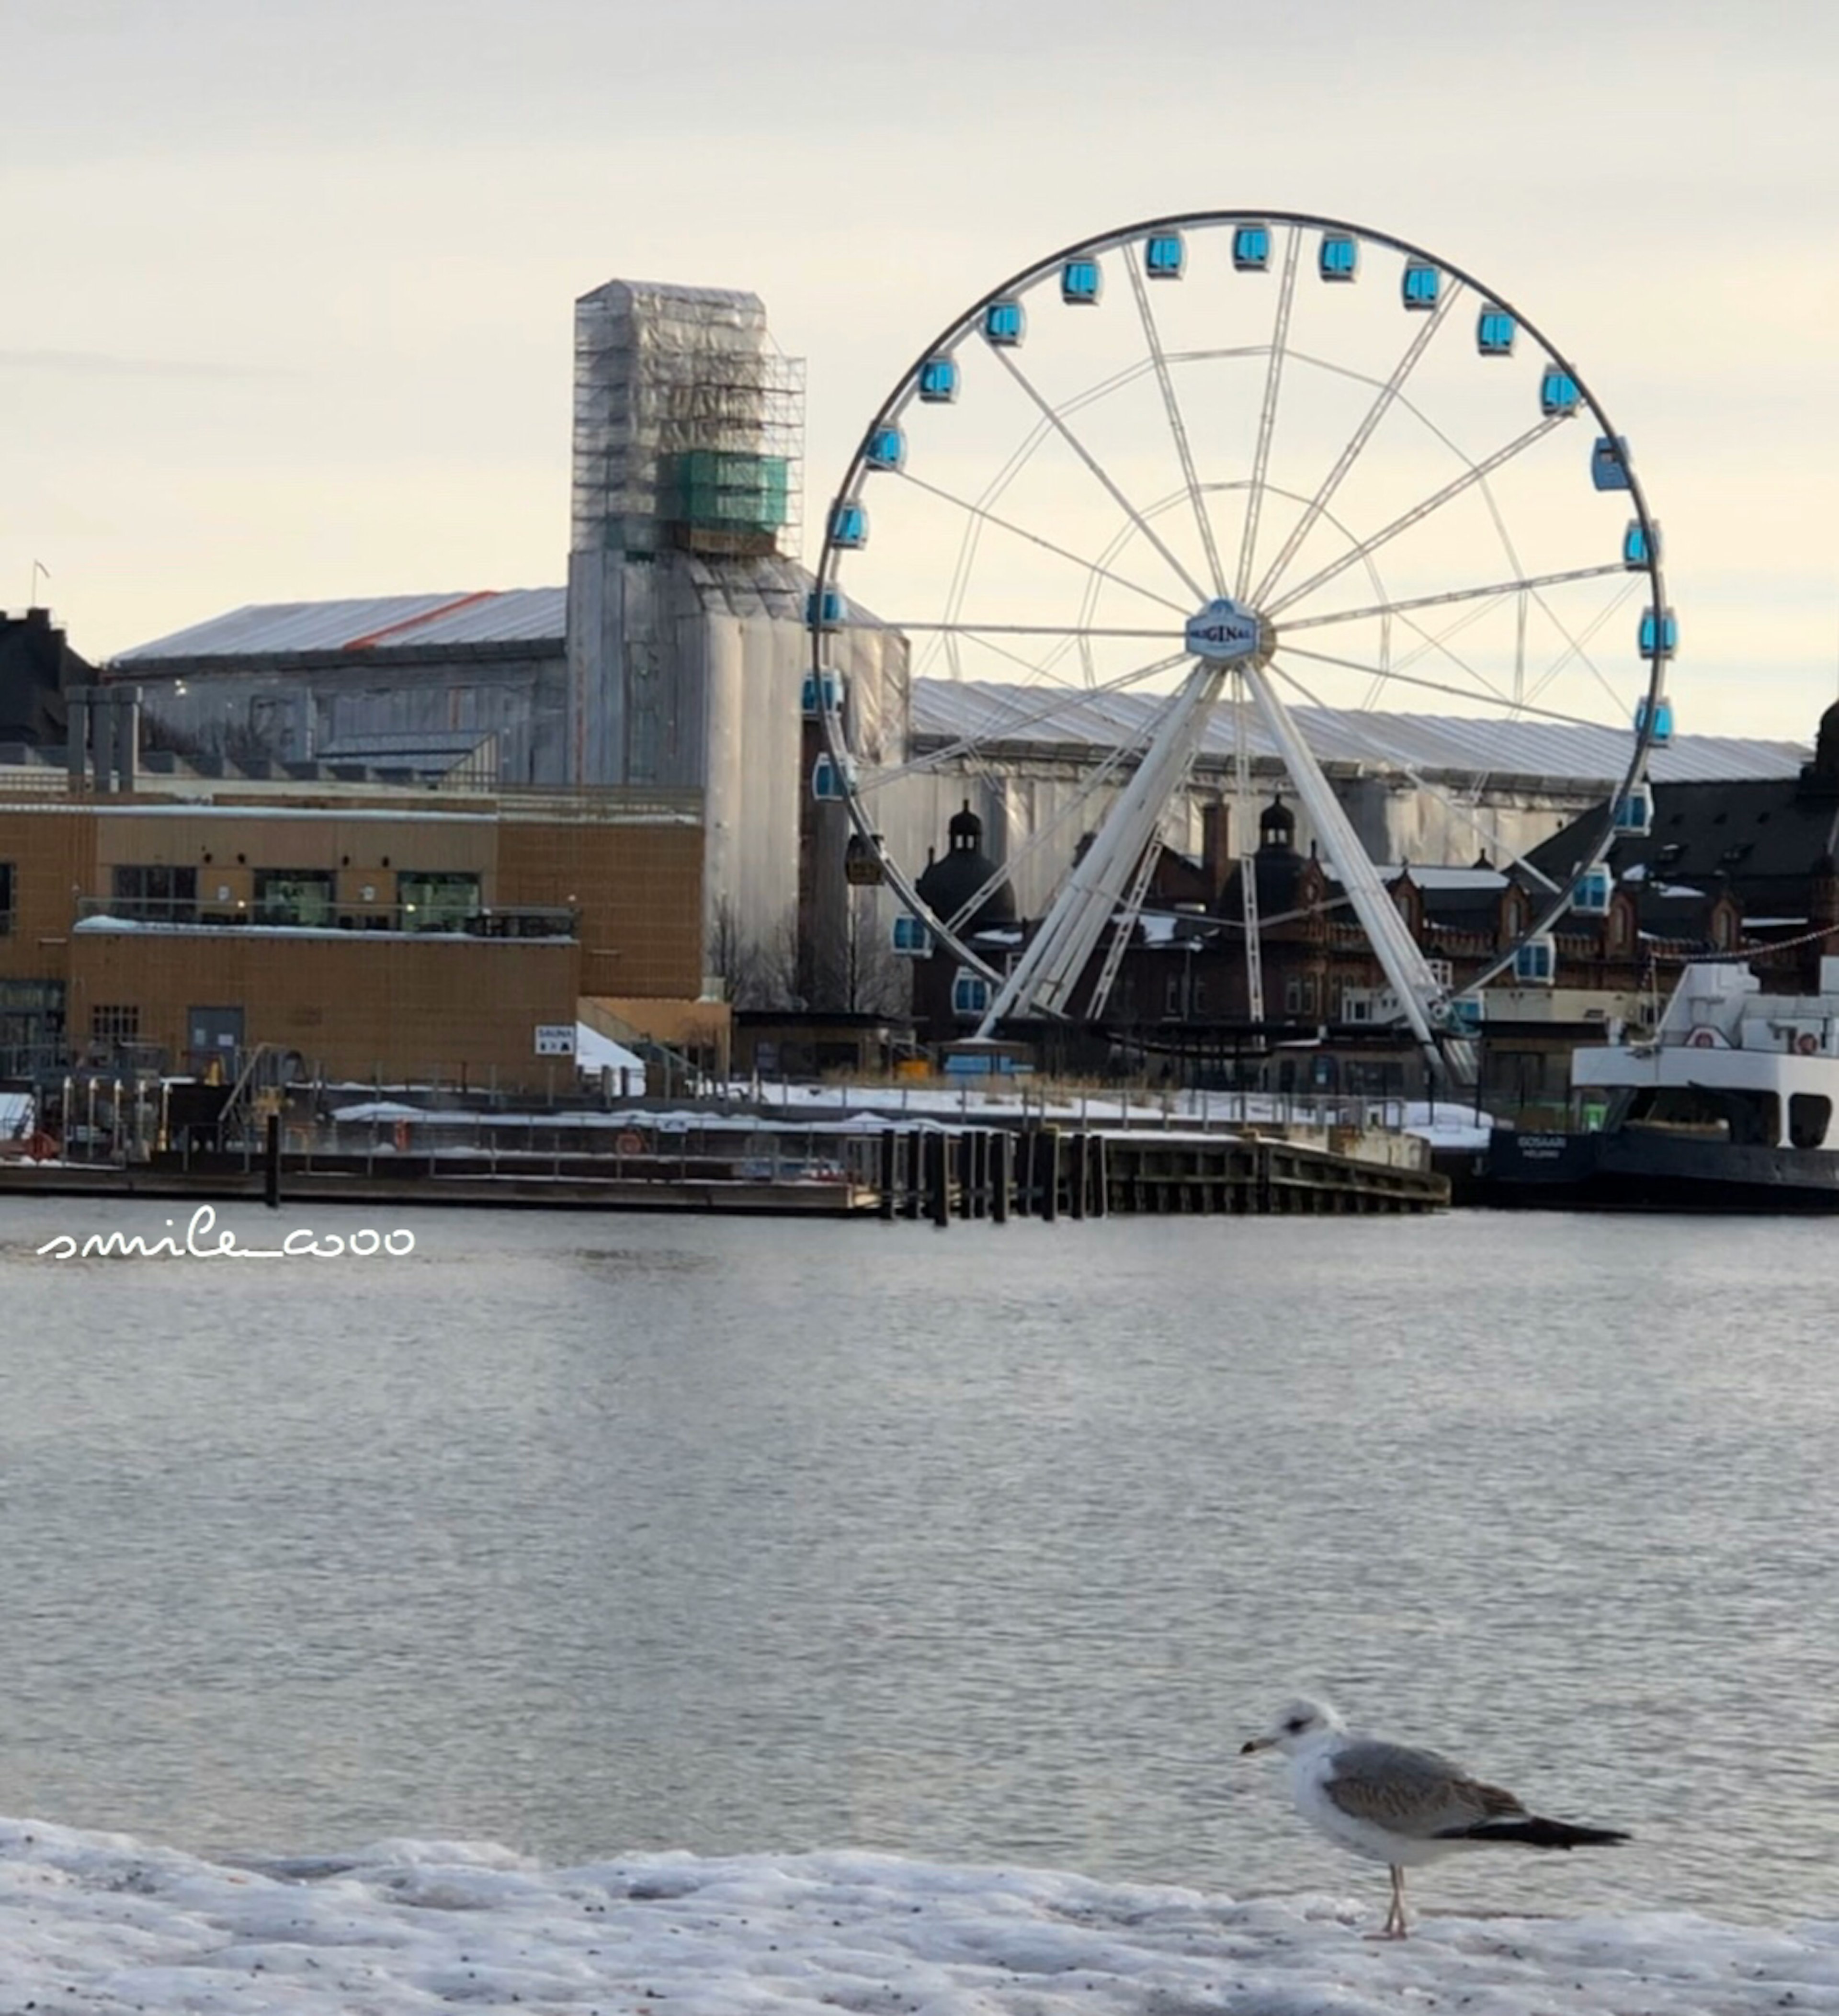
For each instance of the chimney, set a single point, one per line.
(76, 735)
(1216, 847)
(126, 704)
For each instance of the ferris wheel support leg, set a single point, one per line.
(1405, 967)
(1050, 967)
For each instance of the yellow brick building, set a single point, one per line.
(370, 933)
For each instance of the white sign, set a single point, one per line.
(555, 1039)
(1222, 632)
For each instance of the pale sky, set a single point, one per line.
(289, 282)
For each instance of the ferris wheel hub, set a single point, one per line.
(1225, 632)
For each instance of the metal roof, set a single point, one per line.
(373, 622)
(1377, 741)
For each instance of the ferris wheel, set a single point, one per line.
(1231, 494)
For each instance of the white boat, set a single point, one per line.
(1730, 1106)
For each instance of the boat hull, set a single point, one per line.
(1631, 1171)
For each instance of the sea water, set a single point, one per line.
(591, 1534)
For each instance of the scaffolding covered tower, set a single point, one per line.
(688, 424)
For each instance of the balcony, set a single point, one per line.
(526, 920)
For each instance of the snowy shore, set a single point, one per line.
(99, 1923)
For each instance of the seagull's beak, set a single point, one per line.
(1256, 1743)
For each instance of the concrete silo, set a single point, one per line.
(687, 643)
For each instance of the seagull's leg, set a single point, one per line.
(1395, 1925)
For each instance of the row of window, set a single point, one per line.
(303, 896)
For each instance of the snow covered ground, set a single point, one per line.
(99, 1923)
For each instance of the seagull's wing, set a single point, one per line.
(1413, 1792)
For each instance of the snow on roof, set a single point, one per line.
(594, 1052)
(1427, 876)
(374, 622)
(1381, 741)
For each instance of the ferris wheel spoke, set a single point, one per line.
(1051, 963)
(1440, 644)
(1267, 419)
(1101, 776)
(1069, 631)
(1575, 646)
(1477, 473)
(1177, 425)
(1356, 444)
(1489, 835)
(988, 517)
(1492, 591)
(1098, 471)
(1392, 676)
(1008, 724)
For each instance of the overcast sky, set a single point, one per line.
(288, 283)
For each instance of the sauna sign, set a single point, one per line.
(1222, 632)
(555, 1039)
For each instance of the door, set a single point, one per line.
(215, 1037)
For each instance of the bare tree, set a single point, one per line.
(738, 958)
(858, 972)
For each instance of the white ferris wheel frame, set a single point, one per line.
(1113, 874)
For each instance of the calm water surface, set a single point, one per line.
(591, 1534)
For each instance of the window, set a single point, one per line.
(7, 875)
(1308, 997)
(1198, 1005)
(156, 895)
(1809, 1115)
(1172, 994)
(294, 896)
(114, 1023)
(1293, 997)
(444, 902)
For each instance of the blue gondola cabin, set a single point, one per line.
(912, 940)
(1609, 463)
(1005, 324)
(823, 609)
(938, 380)
(1164, 256)
(1495, 331)
(1251, 248)
(1662, 712)
(1535, 963)
(1659, 634)
(820, 693)
(887, 449)
(970, 994)
(1339, 256)
(1590, 898)
(1640, 545)
(826, 781)
(1421, 285)
(849, 526)
(1082, 282)
(1634, 813)
(1558, 394)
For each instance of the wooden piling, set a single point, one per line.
(938, 1151)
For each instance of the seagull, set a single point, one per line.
(1402, 1806)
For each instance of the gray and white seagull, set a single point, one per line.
(1402, 1806)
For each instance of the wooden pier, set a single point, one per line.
(912, 1170)
(1047, 1172)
